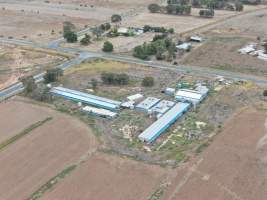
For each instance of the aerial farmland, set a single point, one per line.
(136, 100)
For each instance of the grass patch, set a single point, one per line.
(201, 147)
(97, 66)
(38, 194)
(23, 133)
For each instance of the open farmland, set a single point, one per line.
(233, 166)
(16, 62)
(221, 52)
(22, 19)
(105, 176)
(28, 163)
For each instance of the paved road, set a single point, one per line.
(85, 55)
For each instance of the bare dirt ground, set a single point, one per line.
(109, 177)
(250, 25)
(221, 52)
(232, 167)
(16, 62)
(22, 19)
(32, 160)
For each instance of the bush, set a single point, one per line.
(108, 47)
(153, 8)
(29, 84)
(265, 93)
(71, 37)
(206, 13)
(86, 40)
(239, 6)
(116, 18)
(52, 75)
(265, 47)
(148, 81)
(115, 79)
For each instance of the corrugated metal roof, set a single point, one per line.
(85, 100)
(192, 94)
(86, 95)
(148, 103)
(99, 111)
(158, 127)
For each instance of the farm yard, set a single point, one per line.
(149, 100)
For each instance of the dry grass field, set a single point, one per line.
(110, 177)
(16, 62)
(232, 167)
(29, 162)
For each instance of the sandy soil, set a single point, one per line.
(231, 167)
(46, 151)
(109, 177)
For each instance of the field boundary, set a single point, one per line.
(25, 132)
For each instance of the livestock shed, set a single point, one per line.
(99, 112)
(86, 98)
(163, 123)
(162, 107)
(191, 96)
(147, 104)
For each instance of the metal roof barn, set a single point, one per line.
(191, 96)
(147, 104)
(163, 123)
(99, 112)
(85, 98)
(163, 106)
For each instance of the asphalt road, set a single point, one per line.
(86, 55)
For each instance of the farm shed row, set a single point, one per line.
(86, 98)
(163, 123)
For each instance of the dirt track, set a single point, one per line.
(231, 168)
(34, 159)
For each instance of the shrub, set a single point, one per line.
(265, 93)
(107, 47)
(116, 18)
(239, 6)
(148, 81)
(115, 79)
(86, 40)
(71, 37)
(153, 8)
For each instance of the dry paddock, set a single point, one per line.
(109, 177)
(32, 160)
(233, 167)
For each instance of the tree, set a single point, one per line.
(265, 47)
(206, 13)
(71, 37)
(94, 83)
(115, 79)
(116, 18)
(29, 84)
(239, 6)
(265, 93)
(68, 27)
(153, 8)
(107, 47)
(52, 75)
(97, 31)
(86, 40)
(148, 81)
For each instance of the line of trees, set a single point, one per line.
(177, 9)
(161, 48)
(115, 79)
